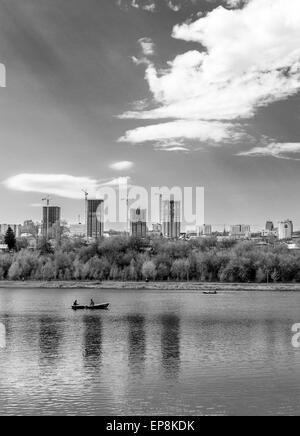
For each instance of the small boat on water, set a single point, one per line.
(210, 293)
(98, 306)
(102, 306)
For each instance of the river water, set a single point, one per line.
(152, 353)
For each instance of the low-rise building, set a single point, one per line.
(285, 230)
(77, 231)
(157, 228)
(16, 228)
(30, 227)
(269, 233)
(240, 231)
(205, 230)
(3, 248)
(293, 246)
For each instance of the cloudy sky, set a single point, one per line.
(166, 92)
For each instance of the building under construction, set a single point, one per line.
(138, 223)
(171, 219)
(95, 218)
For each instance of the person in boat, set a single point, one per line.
(92, 304)
(75, 304)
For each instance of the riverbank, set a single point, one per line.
(161, 286)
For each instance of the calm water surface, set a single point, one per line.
(152, 353)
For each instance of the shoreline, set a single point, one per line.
(151, 286)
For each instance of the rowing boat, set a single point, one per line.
(78, 307)
(102, 306)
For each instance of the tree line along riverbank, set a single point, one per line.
(124, 259)
(150, 286)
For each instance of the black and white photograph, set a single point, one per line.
(149, 211)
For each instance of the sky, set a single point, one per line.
(157, 92)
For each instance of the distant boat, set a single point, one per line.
(102, 306)
(210, 293)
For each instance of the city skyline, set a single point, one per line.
(171, 214)
(79, 104)
(132, 207)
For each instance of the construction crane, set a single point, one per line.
(47, 199)
(127, 213)
(86, 196)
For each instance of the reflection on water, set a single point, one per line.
(152, 353)
(50, 338)
(170, 344)
(136, 342)
(92, 340)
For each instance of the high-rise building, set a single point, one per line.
(171, 218)
(95, 219)
(138, 223)
(285, 230)
(269, 226)
(51, 216)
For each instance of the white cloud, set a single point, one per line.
(120, 181)
(251, 59)
(155, 5)
(235, 3)
(193, 130)
(60, 185)
(171, 145)
(145, 5)
(278, 150)
(148, 50)
(122, 166)
(176, 148)
(147, 46)
(55, 184)
(175, 6)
